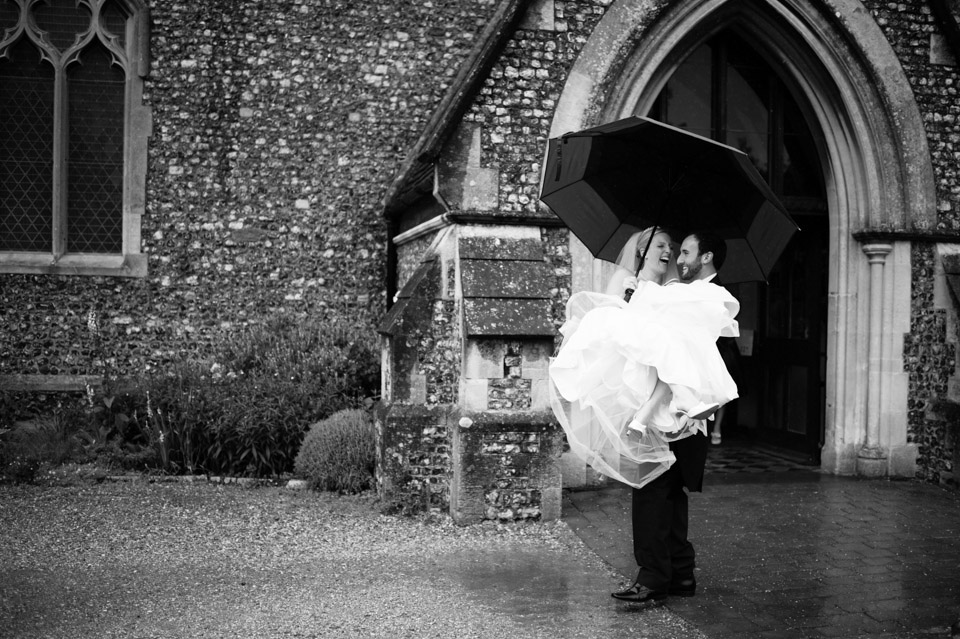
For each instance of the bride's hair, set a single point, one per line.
(638, 242)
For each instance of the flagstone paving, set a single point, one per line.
(786, 551)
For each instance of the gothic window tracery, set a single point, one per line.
(66, 70)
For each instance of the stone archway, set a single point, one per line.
(877, 171)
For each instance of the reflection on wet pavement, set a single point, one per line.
(568, 599)
(802, 554)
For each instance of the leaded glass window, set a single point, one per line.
(66, 70)
(727, 91)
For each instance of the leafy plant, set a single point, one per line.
(282, 377)
(259, 431)
(25, 448)
(243, 412)
(175, 422)
(329, 366)
(53, 439)
(338, 453)
(8, 410)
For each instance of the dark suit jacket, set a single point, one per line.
(730, 353)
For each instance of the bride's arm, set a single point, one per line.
(615, 285)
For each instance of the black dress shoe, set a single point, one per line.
(638, 593)
(684, 588)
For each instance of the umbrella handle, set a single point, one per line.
(646, 249)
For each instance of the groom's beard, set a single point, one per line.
(690, 273)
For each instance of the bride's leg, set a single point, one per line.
(661, 395)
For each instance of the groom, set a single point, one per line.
(660, 546)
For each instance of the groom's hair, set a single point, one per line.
(710, 242)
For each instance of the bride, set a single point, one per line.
(632, 376)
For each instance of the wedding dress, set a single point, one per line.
(608, 364)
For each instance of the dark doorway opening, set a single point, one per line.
(728, 91)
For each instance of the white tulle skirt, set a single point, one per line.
(612, 354)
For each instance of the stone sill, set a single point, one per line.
(132, 265)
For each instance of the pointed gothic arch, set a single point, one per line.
(876, 167)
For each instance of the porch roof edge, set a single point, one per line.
(413, 175)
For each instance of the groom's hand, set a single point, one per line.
(629, 286)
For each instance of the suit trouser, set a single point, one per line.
(660, 519)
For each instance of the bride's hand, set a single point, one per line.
(630, 283)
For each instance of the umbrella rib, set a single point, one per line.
(756, 258)
(559, 160)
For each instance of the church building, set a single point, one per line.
(182, 169)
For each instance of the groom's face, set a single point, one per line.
(689, 263)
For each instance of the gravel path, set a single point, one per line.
(173, 559)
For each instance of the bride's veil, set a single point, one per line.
(627, 259)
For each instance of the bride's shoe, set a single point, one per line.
(635, 426)
(701, 410)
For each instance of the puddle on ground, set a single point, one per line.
(565, 597)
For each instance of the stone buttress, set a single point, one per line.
(466, 425)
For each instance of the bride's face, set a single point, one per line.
(658, 256)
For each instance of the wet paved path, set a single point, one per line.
(785, 551)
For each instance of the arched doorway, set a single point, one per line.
(876, 173)
(727, 90)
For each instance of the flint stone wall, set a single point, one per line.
(277, 126)
(930, 348)
(414, 466)
(934, 403)
(507, 468)
(496, 466)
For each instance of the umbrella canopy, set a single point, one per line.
(609, 181)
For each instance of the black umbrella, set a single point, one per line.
(609, 181)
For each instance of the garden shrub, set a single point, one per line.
(195, 419)
(283, 376)
(245, 411)
(241, 412)
(8, 410)
(171, 414)
(27, 446)
(338, 453)
(325, 366)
